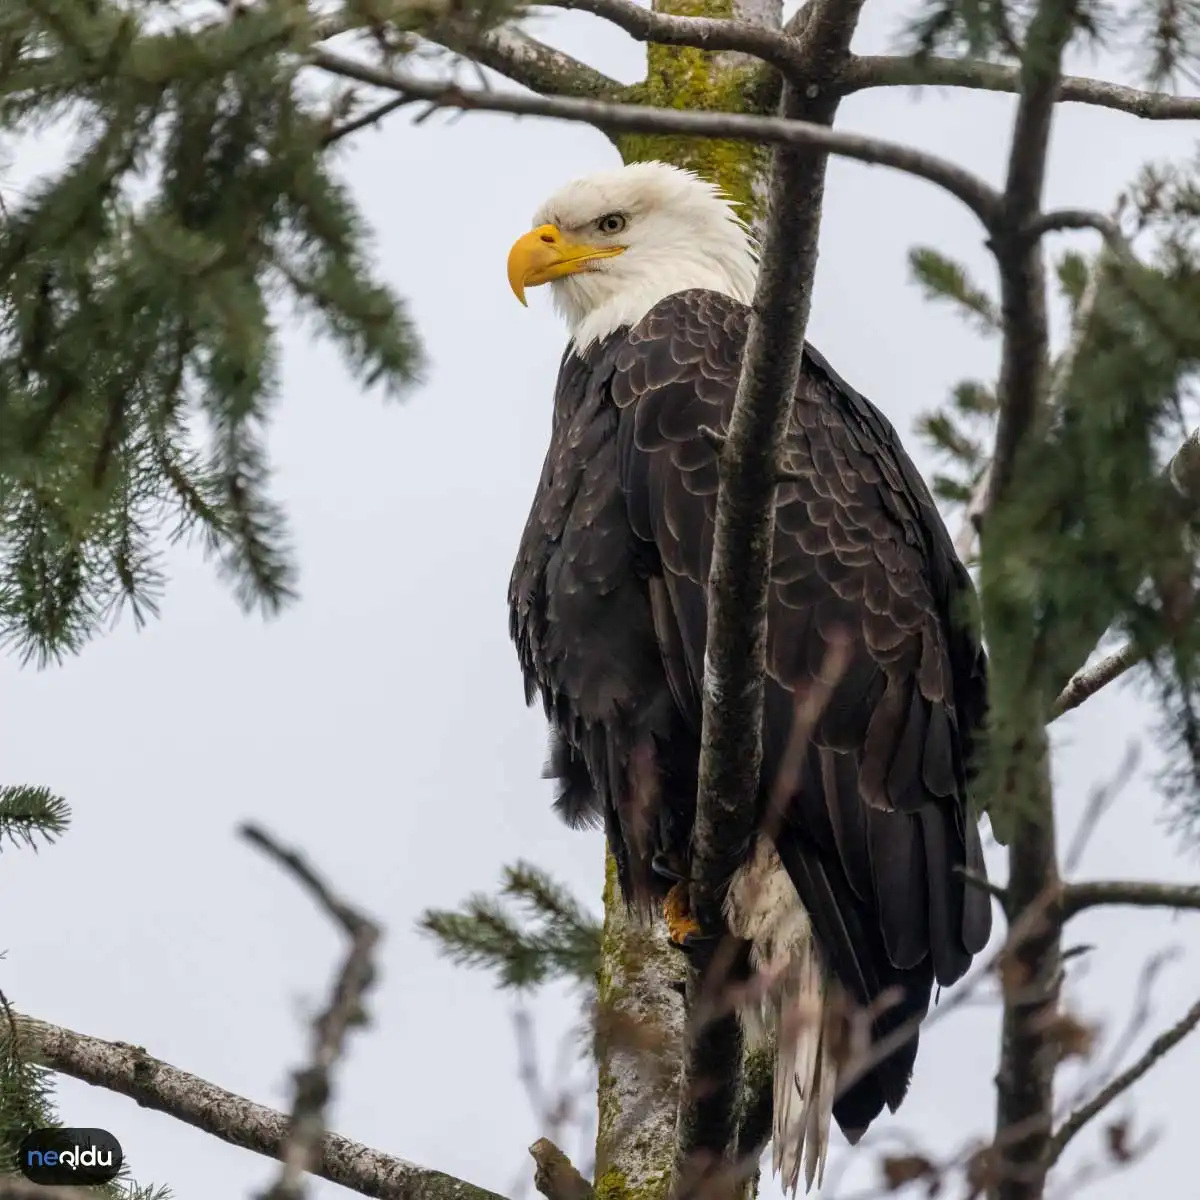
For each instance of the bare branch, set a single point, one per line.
(739, 575)
(15, 1188)
(1022, 273)
(130, 1071)
(1077, 897)
(1079, 218)
(1025, 1080)
(883, 71)
(704, 33)
(345, 1008)
(1158, 1049)
(555, 1175)
(371, 117)
(514, 54)
(977, 195)
(1101, 798)
(1086, 683)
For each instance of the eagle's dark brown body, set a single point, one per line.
(608, 614)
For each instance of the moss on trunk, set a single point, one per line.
(685, 78)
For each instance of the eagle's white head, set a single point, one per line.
(613, 245)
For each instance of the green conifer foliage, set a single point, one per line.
(142, 290)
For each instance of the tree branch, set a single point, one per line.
(885, 71)
(1158, 1049)
(1079, 218)
(1022, 275)
(555, 1175)
(130, 1071)
(371, 117)
(977, 195)
(15, 1188)
(1025, 1080)
(714, 34)
(345, 1008)
(1086, 683)
(739, 575)
(514, 54)
(1077, 897)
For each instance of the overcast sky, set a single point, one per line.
(379, 723)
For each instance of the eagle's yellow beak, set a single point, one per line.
(544, 254)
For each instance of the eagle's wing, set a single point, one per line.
(879, 822)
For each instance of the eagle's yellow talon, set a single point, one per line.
(680, 927)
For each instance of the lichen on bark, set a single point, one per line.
(639, 1039)
(686, 78)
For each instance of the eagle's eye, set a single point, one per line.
(611, 223)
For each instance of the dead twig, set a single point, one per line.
(1163, 1044)
(306, 1127)
(555, 1176)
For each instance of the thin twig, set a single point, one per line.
(345, 1008)
(886, 71)
(1077, 897)
(977, 195)
(371, 117)
(1100, 799)
(1078, 218)
(1161, 1046)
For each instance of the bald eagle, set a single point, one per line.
(860, 892)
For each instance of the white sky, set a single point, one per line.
(379, 724)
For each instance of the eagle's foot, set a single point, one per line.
(681, 928)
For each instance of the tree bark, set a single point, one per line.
(642, 977)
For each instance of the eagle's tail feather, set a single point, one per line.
(763, 908)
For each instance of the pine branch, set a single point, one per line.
(1157, 1050)
(129, 1071)
(1184, 472)
(905, 71)
(30, 813)
(100, 437)
(1078, 897)
(562, 940)
(977, 195)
